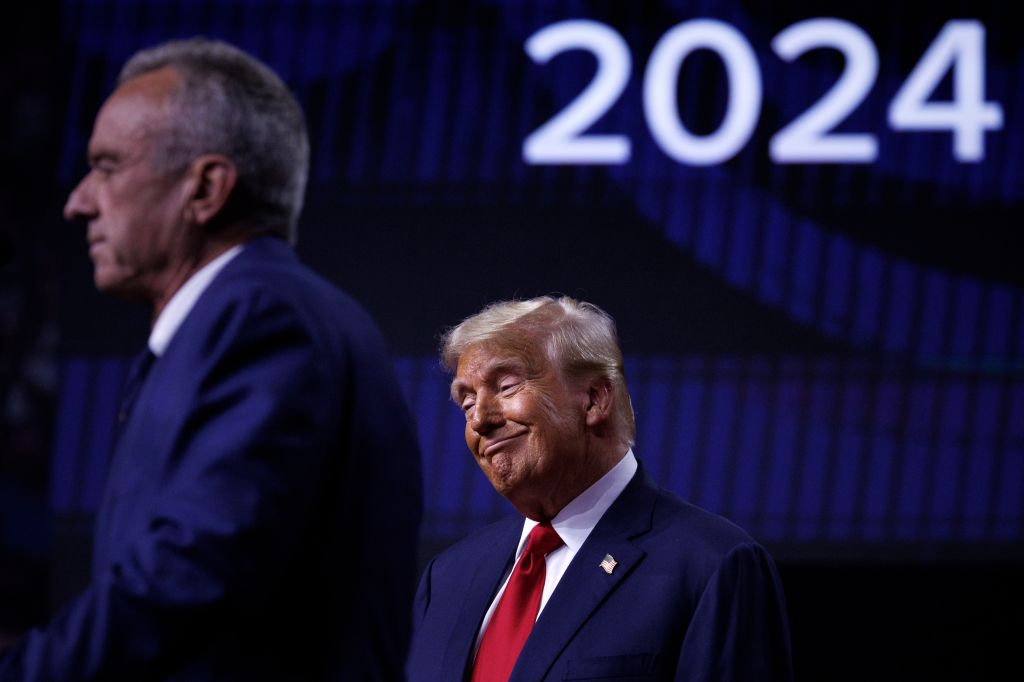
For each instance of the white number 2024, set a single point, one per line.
(809, 138)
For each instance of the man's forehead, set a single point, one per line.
(485, 360)
(136, 108)
(159, 85)
(481, 362)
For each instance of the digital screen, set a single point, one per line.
(801, 218)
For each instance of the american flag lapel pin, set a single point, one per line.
(608, 563)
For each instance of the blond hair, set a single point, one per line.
(578, 337)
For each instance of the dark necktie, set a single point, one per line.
(517, 611)
(136, 377)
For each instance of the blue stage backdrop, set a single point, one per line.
(801, 215)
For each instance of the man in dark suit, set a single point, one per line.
(260, 517)
(608, 576)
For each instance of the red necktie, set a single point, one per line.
(517, 611)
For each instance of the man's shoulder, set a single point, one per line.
(700, 536)
(644, 504)
(673, 512)
(499, 536)
(270, 264)
(268, 274)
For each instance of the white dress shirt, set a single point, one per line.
(184, 299)
(573, 524)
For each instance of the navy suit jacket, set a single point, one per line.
(260, 517)
(691, 598)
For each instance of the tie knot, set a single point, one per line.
(542, 540)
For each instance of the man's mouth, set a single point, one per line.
(495, 445)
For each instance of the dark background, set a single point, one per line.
(831, 354)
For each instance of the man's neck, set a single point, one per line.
(207, 252)
(181, 303)
(548, 503)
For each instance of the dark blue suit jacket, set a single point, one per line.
(260, 518)
(692, 598)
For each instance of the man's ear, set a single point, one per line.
(213, 178)
(600, 401)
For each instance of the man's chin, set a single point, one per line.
(505, 472)
(112, 284)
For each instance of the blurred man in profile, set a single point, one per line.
(260, 517)
(601, 575)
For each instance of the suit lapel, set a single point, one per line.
(494, 560)
(585, 584)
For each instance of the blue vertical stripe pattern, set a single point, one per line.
(773, 256)
(75, 391)
(1009, 519)
(980, 464)
(446, 105)
(842, 512)
(902, 309)
(89, 394)
(950, 457)
(751, 455)
(797, 450)
(927, 451)
(740, 259)
(966, 319)
(109, 377)
(782, 448)
(913, 473)
(806, 280)
(719, 466)
(838, 271)
(868, 300)
(935, 308)
(878, 481)
(817, 459)
(690, 415)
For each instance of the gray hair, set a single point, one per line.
(578, 336)
(232, 104)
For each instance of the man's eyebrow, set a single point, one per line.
(95, 157)
(459, 388)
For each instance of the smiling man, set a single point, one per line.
(260, 516)
(607, 576)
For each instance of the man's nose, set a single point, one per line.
(80, 202)
(486, 415)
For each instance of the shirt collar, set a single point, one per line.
(578, 518)
(184, 299)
